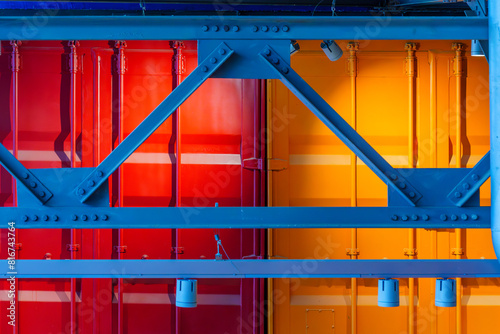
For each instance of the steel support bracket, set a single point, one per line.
(352, 251)
(471, 183)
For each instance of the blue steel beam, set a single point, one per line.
(166, 108)
(248, 217)
(252, 268)
(24, 176)
(494, 24)
(339, 126)
(241, 27)
(471, 183)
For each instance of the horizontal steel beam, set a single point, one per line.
(241, 28)
(306, 268)
(248, 217)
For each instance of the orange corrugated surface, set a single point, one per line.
(321, 172)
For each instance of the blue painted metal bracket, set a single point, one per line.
(242, 27)
(471, 183)
(248, 217)
(24, 176)
(339, 126)
(252, 268)
(166, 108)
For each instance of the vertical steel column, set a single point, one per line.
(15, 65)
(459, 49)
(73, 68)
(120, 70)
(352, 67)
(178, 67)
(411, 73)
(494, 43)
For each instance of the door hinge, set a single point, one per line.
(177, 250)
(457, 251)
(272, 164)
(410, 251)
(73, 247)
(352, 251)
(120, 249)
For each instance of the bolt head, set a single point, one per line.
(42, 193)
(466, 186)
(414, 217)
(204, 68)
(215, 28)
(464, 217)
(95, 217)
(55, 218)
(45, 217)
(204, 28)
(34, 217)
(425, 217)
(276, 61)
(458, 194)
(404, 218)
(100, 173)
(81, 191)
(25, 218)
(91, 183)
(394, 218)
(236, 28)
(285, 28)
(26, 176)
(265, 28)
(402, 185)
(454, 217)
(33, 184)
(443, 217)
(213, 60)
(475, 177)
(394, 177)
(285, 70)
(104, 217)
(255, 28)
(267, 52)
(276, 29)
(411, 194)
(74, 217)
(222, 51)
(84, 217)
(474, 217)
(226, 28)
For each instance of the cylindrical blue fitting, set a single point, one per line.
(446, 293)
(186, 293)
(388, 293)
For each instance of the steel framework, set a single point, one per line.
(78, 197)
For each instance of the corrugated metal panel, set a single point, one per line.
(322, 172)
(218, 127)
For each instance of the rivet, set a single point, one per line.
(267, 52)
(276, 61)
(95, 217)
(265, 28)
(222, 51)
(100, 173)
(226, 28)
(411, 194)
(475, 177)
(55, 218)
(215, 28)
(255, 28)
(45, 217)
(285, 70)
(458, 194)
(466, 186)
(84, 217)
(74, 217)
(236, 28)
(474, 217)
(25, 218)
(104, 217)
(404, 217)
(34, 217)
(414, 217)
(443, 217)
(464, 217)
(42, 193)
(204, 69)
(81, 191)
(213, 60)
(394, 217)
(394, 177)
(285, 28)
(401, 185)
(33, 184)
(26, 175)
(276, 29)
(425, 217)
(204, 28)
(454, 217)
(91, 183)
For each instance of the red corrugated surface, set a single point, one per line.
(219, 125)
